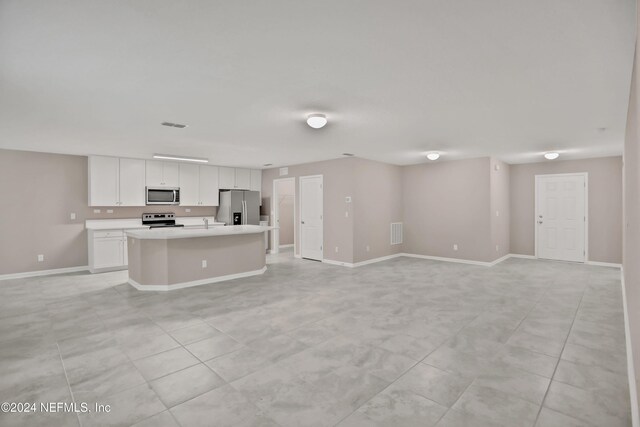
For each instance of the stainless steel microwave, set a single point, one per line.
(163, 195)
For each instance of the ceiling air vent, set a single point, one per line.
(174, 125)
(348, 154)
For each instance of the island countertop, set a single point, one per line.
(186, 233)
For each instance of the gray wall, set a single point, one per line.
(447, 203)
(377, 202)
(605, 204)
(43, 189)
(337, 184)
(631, 244)
(499, 181)
(286, 196)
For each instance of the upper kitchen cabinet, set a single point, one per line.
(227, 178)
(256, 180)
(198, 185)
(162, 174)
(116, 182)
(243, 179)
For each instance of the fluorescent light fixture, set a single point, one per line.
(433, 156)
(551, 155)
(317, 120)
(181, 158)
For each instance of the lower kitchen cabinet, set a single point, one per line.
(107, 250)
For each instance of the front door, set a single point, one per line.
(561, 214)
(311, 221)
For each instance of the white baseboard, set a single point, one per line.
(361, 263)
(43, 272)
(458, 260)
(604, 264)
(340, 263)
(286, 246)
(522, 256)
(297, 256)
(631, 372)
(183, 285)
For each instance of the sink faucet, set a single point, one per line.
(206, 223)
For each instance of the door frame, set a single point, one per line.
(586, 209)
(299, 253)
(275, 233)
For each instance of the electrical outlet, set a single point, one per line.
(109, 210)
(72, 215)
(187, 210)
(336, 249)
(346, 214)
(368, 248)
(455, 247)
(497, 213)
(40, 258)
(96, 211)
(497, 248)
(204, 263)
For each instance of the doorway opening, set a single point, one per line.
(284, 202)
(561, 217)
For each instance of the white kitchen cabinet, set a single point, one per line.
(103, 181)
(162, 174)
(131, 181)
(107, 250)
(209, 188)
(256, 182)
(189, 185)
(116, 182)
(226, 178)
(198, 185)
(243, 179)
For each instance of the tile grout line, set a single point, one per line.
(575, 314)
(73, 399)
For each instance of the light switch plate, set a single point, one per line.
(72, 215)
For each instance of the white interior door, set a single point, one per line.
(311, 217)
(561, 215)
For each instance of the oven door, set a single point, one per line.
(162, 196)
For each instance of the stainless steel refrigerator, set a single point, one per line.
(238, 207)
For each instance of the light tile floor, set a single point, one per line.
(402, 342)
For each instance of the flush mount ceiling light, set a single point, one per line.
(433, 156)
(551, 155)
(173, 125)
(181, 158)
(317, 120)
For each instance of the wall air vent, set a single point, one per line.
(173, 125)
(396, 233)
(348, 154)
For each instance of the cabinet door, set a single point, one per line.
(103, 181)
(189, 185)
(209, 185)
(107, 252)
(171, 174)
(132, 180)
(256, 182)
(243, 179)
(154, 173)
(227, 178)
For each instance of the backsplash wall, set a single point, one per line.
(43, 190)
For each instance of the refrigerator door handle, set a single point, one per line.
(244, 212)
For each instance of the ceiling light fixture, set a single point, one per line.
(181, 158)
(551, 155)
(316, 120)
(433, 156)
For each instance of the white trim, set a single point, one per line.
(299, 201)
(499, 260)
(586, 210)
(523, 256)
(604, 264)
(631, 373)
(276, 213)
(297, 256)
(340, 263)
(43, 272)
(182, 285)
(458, 260)
(290, 245)
(361, 263)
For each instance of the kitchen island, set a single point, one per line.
(163, 259)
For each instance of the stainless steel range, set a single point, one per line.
(160, 220)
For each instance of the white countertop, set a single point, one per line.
(133, 223)
(186, 233)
